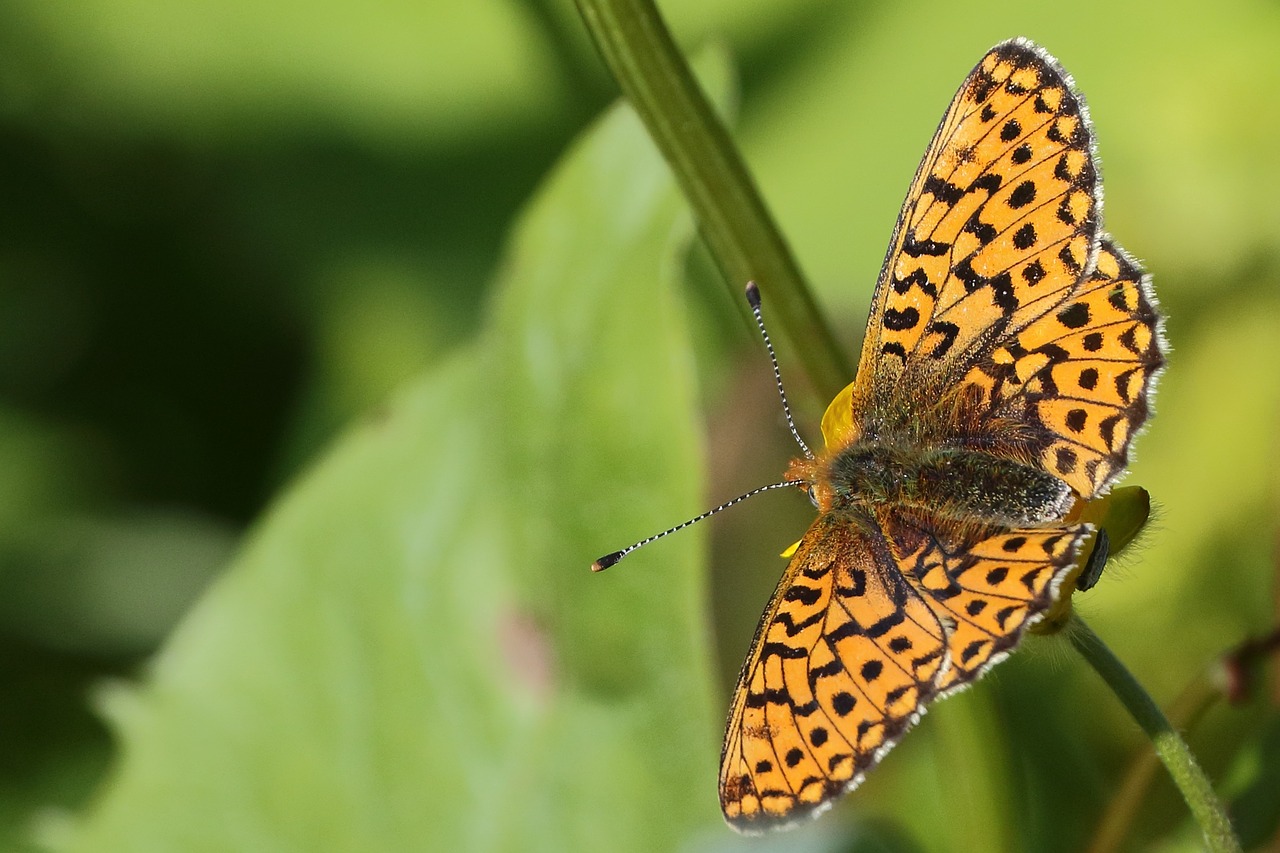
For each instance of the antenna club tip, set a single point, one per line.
(753, 294)
(606, 561)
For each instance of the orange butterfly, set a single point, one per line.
(1008, 362)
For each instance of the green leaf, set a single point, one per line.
(411, 652)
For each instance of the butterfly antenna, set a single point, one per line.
(610, 559)
(753, 298)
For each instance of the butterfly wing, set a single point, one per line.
(987, 585)
(844, 658)
(1080, 374)
(874, 618)
(1001, 222)
(1001, 289)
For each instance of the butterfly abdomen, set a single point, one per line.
(955, 482)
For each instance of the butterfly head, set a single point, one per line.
(808, 474)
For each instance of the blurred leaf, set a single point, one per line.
(411, 653)
(109, 586)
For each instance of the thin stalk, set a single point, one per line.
(1173, 751)
(1187, 710)
(1233, 677)
(742, 236)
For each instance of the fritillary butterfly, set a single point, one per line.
(1008, 362)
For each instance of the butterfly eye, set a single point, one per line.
(813, 496)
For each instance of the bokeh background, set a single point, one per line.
(302, 469)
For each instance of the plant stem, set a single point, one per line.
(1113, 829)
(744, 240)
(1169, 745)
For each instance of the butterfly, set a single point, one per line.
(1008, 363)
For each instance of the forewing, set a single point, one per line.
(844, 658)
(1002, 215)
(1081, 374)
(988, 585)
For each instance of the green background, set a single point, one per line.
(335, 343)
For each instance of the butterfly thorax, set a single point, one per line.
(955, 482)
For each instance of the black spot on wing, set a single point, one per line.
(1074, 316)
(806, 595)
(1069, 260)
(948, 331)
(1002, 293)
(1023, 194)
(971, 280)
(1025, 237)
(1033, 273)
(984, 232)
(1065, 216)
(927, 248)
(900, 321)
(944, 191)
(988, 182)
(918, 279)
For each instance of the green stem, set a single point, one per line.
(731, 215)
(1186, 711)
(1169, 745)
